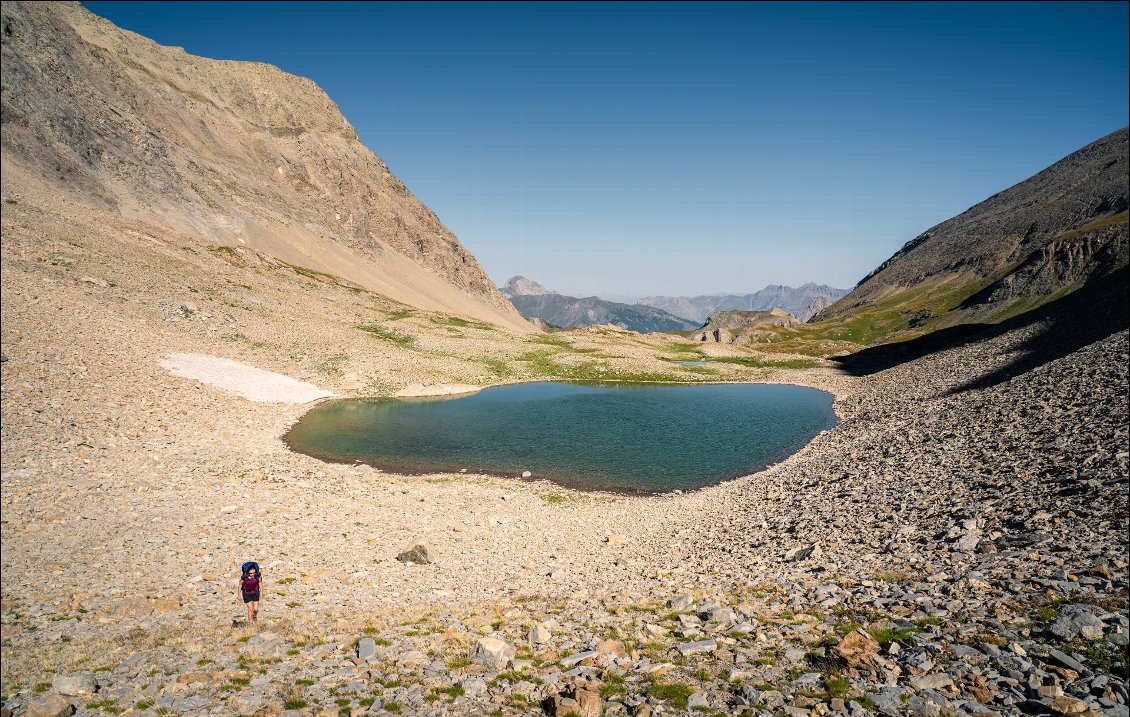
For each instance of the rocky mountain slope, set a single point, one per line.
(564, 311)
(799, 301)
(1029, 244)
(239, 153)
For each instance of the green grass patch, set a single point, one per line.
(1103, 656)
(461, 323)
(1121, 218)
(613, 686)
(758, 362)
(673, 693)
(294, 704)
(892, 576)
(398, 314)
(497, 367)
(542, 363)
(314, 274)
(384, 334)
(886, 635)
(551, 340)
(837, 686)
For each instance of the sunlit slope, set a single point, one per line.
(240, 154)
(1024, 247)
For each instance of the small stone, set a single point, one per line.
(1077, 621)
(614, 539)
(588, 703)
(366, 648)
(527, 474)
(492, 653)
(81, 683)
(802, 553)
(1067, 661)
(858, 650)
(611, 647)
(540, 634)
(577, 658)
(1068, 705)
(932, 681)
(417, 554)
(691, 648)
(49, 706)
(697, 701)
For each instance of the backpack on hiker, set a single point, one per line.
(252, 564)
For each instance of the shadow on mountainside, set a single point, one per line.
(1097, 310)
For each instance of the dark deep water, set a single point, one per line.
(623, 437)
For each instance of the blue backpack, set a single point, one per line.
(252, 564)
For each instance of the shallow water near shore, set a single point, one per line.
(639, 438)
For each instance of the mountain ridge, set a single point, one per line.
(1024, 246)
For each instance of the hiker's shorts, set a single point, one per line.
(251, 597)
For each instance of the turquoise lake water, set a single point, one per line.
(641, 438)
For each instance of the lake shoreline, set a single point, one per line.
(331, 432)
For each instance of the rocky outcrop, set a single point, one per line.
(240, 153)
(818, 304)
(745, 327)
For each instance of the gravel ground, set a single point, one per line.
(976, 536)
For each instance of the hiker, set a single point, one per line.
(249, 584)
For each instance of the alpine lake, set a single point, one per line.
(620, 437)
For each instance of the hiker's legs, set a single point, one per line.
(250, 616)
(253, 609)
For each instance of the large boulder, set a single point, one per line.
(78, 684)
(49, 706)
(492, 653)
(858, 650)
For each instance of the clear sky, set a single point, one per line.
(633, 149)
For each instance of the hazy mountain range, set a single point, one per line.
(798, 301)
(534, 301)
(660, 313)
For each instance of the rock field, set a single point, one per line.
(952, 547)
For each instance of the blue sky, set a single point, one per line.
(633, 149)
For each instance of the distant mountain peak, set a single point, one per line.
(521, 286)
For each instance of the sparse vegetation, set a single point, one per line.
(674, 693)
(384, 334)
